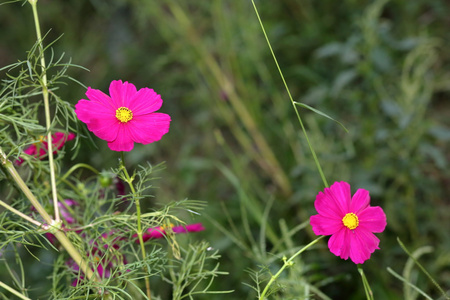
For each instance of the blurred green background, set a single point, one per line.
(379, 67)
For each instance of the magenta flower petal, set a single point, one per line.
(121, 93)
(125, 118)
(97, 96)
(145, 101)
(188, 228)
(325, 226)
(339, 244)
(350, 222)
(373, 219)
(87, 110)
(362, 244)
(159, 232)
(360, 200)
(327, 205)
(40, 149)
(105, 128)
(149, 128)
(123, 141)
(340, 192)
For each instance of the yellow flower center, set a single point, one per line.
(350, 221)
(165, 227)
(124, 114)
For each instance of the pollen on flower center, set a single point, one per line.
(350, 221)
(124, 114)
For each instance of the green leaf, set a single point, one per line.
(320, 113)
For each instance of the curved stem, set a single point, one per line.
(287, 263)
(47, 110)
(129, 180)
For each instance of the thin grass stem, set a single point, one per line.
(440, 289)
(319, 168)
(367, 289)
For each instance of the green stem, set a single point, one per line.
(129, 180)
(47, 110)
(440, 289)
(319, 168)
(287, 263)
(20, 214)
(52, 224)
(13, 291)
(367, 289)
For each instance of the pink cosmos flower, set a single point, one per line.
(125, 117)
(159, 232)
(349, 220)
(40, 149)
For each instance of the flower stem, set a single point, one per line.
(129, 180)
(287, 263)
(47, 109)
(367, 289)
(53, 225)
(13, 291)
(319, 168)
(20, 214)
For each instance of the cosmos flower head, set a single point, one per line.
(125, 117)
(40, 149)
(350, 221)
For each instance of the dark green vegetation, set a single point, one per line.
(381, 68)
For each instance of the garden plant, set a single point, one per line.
(168, 149)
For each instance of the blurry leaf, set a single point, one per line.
(435, 154)
(316, 94)
(329, 50)
(381, 59)
(343, 79)
(440, 132)
(391, 108)
(320, 113)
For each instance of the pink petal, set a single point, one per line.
(97, 96)
(82, 110)
(332, 203)
(339, 243)
(89, 110)
(121, 93)
(372, 219)
(325, 226)
(145, 101)
(60, 138)
(360, 200)
(106, 128)
(152, 233)
(32, 150)
(362, 244)
(149, 128)
(123, 141)
(341, 193)
(188, 228)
